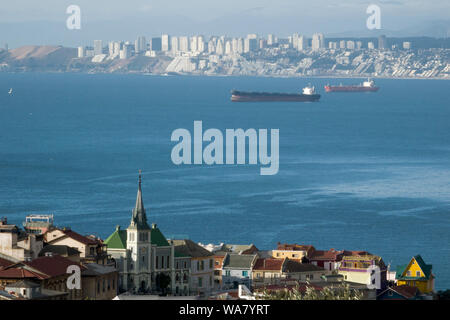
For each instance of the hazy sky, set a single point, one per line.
(43, 21)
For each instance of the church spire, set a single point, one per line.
(139, 218)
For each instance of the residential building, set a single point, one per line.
(366, 269)
(237, 269)
(382, 42)
(80, 52)
(156, 44)
(318, 41)
(17, 244)
(295, 270)
(62, 250)
(50, 272)
(99, 282)
(98, 47)
(399, 293)
(202, 265)
(416, 274)
(293, 251)
(165, 43)
(91, 249)
(267, 271)
(327, 259)
(38, 223)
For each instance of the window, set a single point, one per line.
(211, 263)
(244, 273)
(185, 265)
(157, 262)
(417, 273)
(200, 282)
(168, 262)
(408, 273)
(91, 251)
(198, 265)
(202, 265)
(227, 273)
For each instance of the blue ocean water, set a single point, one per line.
(357, 171)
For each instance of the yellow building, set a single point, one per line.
(292, 251)
(416, 274)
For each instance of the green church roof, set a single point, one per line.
(117, 240)
(158, 238)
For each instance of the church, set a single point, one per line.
(147, 262)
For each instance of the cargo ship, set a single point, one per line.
(308, 95)
(366, 86)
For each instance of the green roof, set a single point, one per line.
(158, 238)
(117, 240)
(426, 268)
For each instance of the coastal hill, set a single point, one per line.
(37, 58)
(61, 59)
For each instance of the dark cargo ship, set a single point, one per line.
(308, 95)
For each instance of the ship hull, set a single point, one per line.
(350, 89)
(273, 97)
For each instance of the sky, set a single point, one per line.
(24, 22)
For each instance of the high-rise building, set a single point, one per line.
(406, 45)
(140, 45)
(174, 44)
(156, 44)
(342, 44)
(80, 52)
(302, 43)
(211, 46)
(98, 47)
(358, 45)
(165, 42)
(184, 44)
(219, 47)
(228, 50)
(125, 53)
(370, 45)
(382, 42)
(240, 45)
(270, 40)
(351, 45)
(193, 42)
(200, 44)
(318, 41)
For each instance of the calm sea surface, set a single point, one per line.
(357, 171)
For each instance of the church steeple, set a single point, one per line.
(139, 218)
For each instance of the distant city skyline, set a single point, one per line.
(30, 22)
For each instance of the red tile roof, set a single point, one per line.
(20, 273)
(327, 255)
(406, 291)
(4, 263)
(78, 237)
(268, 264)
(52, 266)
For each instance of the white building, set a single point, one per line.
(174, 44)
(98, 47)
(165, 43)
(184, 44)
(318, 41)
(80, 52)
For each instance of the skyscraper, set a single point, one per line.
(382, 42)
(98, 47)
(318, 41)
(156, 44)
(302, 43)
(140, 45)
(184, 44)
(165, 42)
(80, 52)
(174, 44)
